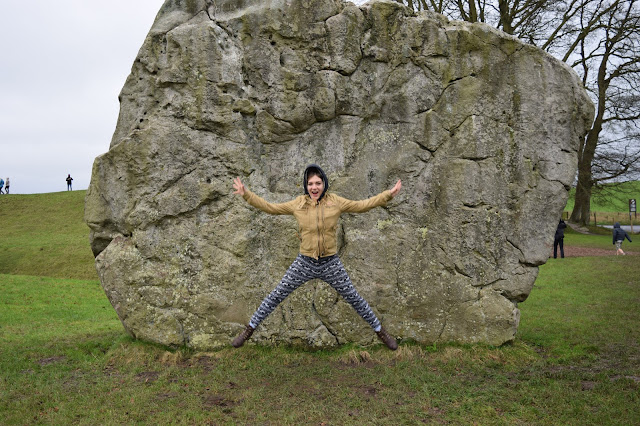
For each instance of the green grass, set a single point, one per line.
(611, 204)
(65, 359)
(573, 313)
(616, 200)
(44, 235)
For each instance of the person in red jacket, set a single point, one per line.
(317, 213)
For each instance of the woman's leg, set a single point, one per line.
(298, 273)
(333, 272)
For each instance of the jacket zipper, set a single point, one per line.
(325, 229)
(318, 227)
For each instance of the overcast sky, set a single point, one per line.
(62, 66)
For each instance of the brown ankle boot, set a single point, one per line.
(246, 333)
(387, 339)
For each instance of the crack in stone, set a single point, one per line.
(457, 126)
(445, 322)
(397, 267)
(168, 184)
(461, 272)
(516, 247)
(326, 325)
(345, 243)
(477, 206)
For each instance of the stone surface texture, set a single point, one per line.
(482, 129)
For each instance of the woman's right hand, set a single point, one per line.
(238, 186)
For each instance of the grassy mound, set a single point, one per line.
(45, 235)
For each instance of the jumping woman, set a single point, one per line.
(317, 213)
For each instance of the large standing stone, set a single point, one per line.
(482, 129)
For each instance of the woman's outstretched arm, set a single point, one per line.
(260, 203)
(349, 206)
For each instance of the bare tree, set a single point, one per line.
(607, 58)
(518, 17)
(437, 6)
(600, 40)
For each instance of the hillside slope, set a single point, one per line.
(45, 235)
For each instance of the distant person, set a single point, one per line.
(69, 179)
(559, 240)
(619, 235)
(6, 186)
(1, 185)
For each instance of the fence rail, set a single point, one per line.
(609, 218)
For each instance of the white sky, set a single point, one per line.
(62, 66)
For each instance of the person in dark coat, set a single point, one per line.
(559, 240)
(619, 235)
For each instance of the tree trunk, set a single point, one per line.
(582, 207)
(473, 12)
(505, 16)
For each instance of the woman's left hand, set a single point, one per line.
(238, 186)
(396, 188)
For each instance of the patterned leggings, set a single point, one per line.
(303, 269)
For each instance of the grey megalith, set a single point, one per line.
(482, 129)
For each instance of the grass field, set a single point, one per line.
(65, 358)
(44, 235)
(611, 205)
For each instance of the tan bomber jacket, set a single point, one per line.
(317, 222)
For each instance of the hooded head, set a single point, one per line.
(315, 170)
(616, 225)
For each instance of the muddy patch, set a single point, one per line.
(51, 360)
(147, 376)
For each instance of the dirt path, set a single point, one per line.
(570, 251)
